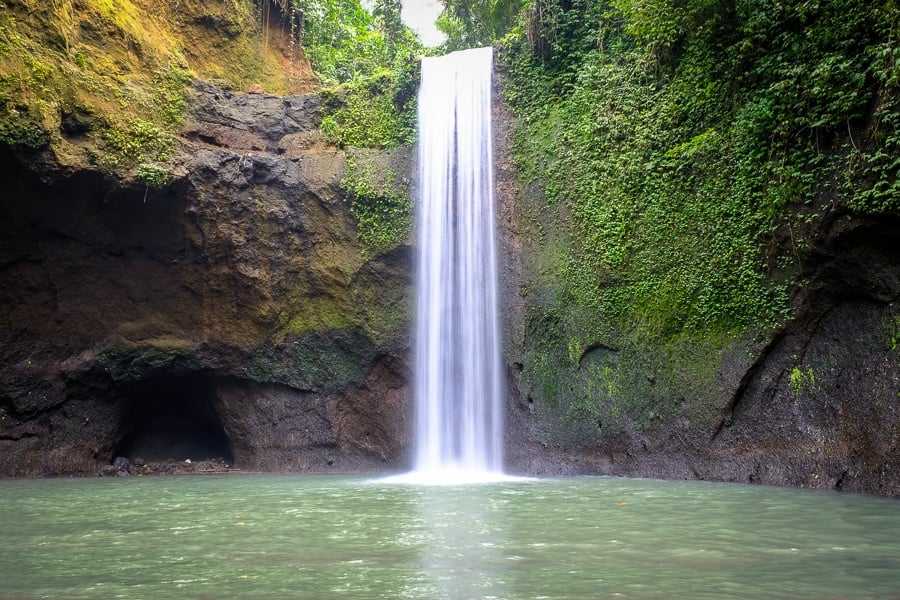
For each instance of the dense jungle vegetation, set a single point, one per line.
(684, 136)
(681, 156)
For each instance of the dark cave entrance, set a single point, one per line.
(172, 417)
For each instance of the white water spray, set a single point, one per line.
(458, 427)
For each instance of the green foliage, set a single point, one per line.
(678, 137)
(152, 175)
(387, 17)
(475, 23)
(312, 361)
(682, 150)
(380, 203)
(113, 105)
(369, 62)
(342, 40)
(142, 142)
(18, 127)
(169, 96)
(624, 384)
(375, 112)
(557, 32)
(138, 141)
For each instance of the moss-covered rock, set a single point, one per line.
(241, 277)
(102, 83)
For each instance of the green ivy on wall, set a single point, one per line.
(380, 202)
(682, 154)
(679, 141)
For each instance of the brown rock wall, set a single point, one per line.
(239, 292)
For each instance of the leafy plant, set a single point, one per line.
(153, 175)
(169, 96)
(342, 40)
(138, 141)
(376, 112)
(380, 203)
(475, 23)
(681, 152)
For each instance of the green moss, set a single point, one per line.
(375, 112)
(317, 314)
(18, 127)
(380, 202)
(386, 315)
(124, 60)
(315, 361)
(802, 381)
(891, 327)
(168, 95)
(599, 380)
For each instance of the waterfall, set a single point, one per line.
(458, 386)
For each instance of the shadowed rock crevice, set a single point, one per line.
(172, 417)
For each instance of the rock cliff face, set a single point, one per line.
(234, 307)
(234, 313)
(815, 403)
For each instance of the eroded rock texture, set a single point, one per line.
(815, 403)
(235, 314)
(232, 313)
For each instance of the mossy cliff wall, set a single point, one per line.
(701, 214)
(238, 289)
(179, 260)
(183, 272)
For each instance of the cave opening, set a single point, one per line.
(172, 417)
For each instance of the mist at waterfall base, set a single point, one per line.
(458, 434)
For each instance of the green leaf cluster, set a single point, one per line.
(380, 203)
(342, 40)
(679, 154)
(152, 175)
(476, 23)
(135, 142)
(374, 112)
(679, 137)
(369, 63)
(142, 142)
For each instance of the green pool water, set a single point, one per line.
(325, 537)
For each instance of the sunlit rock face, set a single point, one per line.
(234, 307)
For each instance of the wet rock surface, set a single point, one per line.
(231, 307)
(122, 467)
(236, 307)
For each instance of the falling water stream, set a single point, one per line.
(314, 537)
(458, 433)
